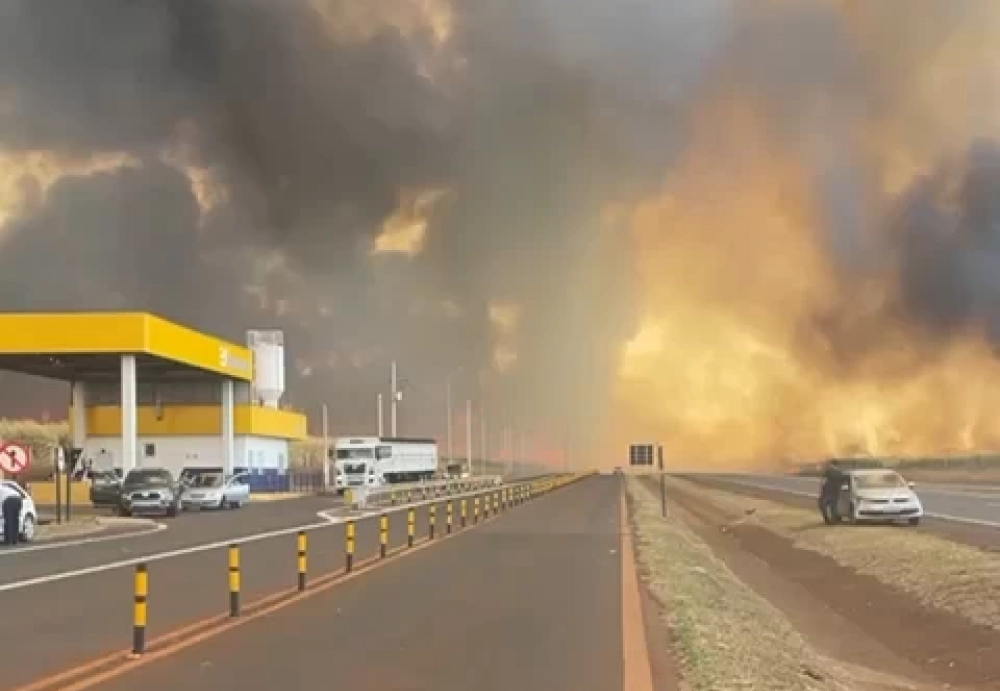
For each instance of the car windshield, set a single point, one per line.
(344, 454)
(879, 480)
(149, 477)
(208, 480)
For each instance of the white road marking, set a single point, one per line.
(154, 528)
(327, 520)
(812, 495)
(160, 556)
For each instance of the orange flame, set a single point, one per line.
(728, 367)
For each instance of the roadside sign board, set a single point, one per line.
(14, 457)
(640, 454)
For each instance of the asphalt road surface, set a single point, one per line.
(957, 504)
(529, 600)
(187, 530)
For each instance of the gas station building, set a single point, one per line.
(148, 392)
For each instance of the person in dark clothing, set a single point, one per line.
(12, 518)
(833, 478)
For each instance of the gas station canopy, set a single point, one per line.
(85, 348)
(88, 346)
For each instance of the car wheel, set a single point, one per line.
(172, 512)
(28, 528)
(914, 521)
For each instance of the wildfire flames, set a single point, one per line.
(809, 191)
(757, 344)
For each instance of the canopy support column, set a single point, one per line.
(228, 427)
(130, 432)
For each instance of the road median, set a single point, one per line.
(938, 572)
(726, 635)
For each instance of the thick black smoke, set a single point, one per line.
(948, 232)
(314, 139)
(534, 115)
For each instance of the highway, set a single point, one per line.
(531, 598)
(187, 530)
(946, 503)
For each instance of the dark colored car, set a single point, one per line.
(105, 488)
(150, 491)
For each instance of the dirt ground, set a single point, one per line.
(844, 617)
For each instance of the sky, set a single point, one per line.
(755, 232)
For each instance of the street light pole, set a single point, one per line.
(451, 440)
(483, 446)
(468, 433)
(395, 398)
(380, 425)
(326, 450)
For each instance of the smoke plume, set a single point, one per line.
(752, 230)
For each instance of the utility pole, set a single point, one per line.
(381, 431)
(506, 449)
(663, 487)
(326, 450)
(451, 438)
(483, 446)
(395, 398)
(468, 433)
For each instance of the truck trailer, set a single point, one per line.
(378, 461)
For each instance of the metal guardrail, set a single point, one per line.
(391, 495)
(488, 502)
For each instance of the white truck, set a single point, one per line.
(378, 461)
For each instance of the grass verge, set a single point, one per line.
(727, 636)
(940, 573)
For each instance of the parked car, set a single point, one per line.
(216, 491)
(877, 495)
(105, 488)
(150, 491)
(29, 512)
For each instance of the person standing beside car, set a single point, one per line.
(829, 493)
(11, 504)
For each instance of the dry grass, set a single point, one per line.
(940, 573)
(728, 637)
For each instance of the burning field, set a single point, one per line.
(759, 231)
(818, 273)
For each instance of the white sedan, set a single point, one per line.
(878, 495)
(29, 513)
(216, 491)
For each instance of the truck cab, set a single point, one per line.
(355, 466)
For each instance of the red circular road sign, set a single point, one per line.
(14, 457)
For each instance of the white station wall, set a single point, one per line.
(177, 453)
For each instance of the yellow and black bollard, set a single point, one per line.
(139, 610)
(448, 511)
(411, 526)
(303, 545)
(475, 510)
(383, 535)
(465, 510)
(234, 580)
(349, 546)
(432, 520)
